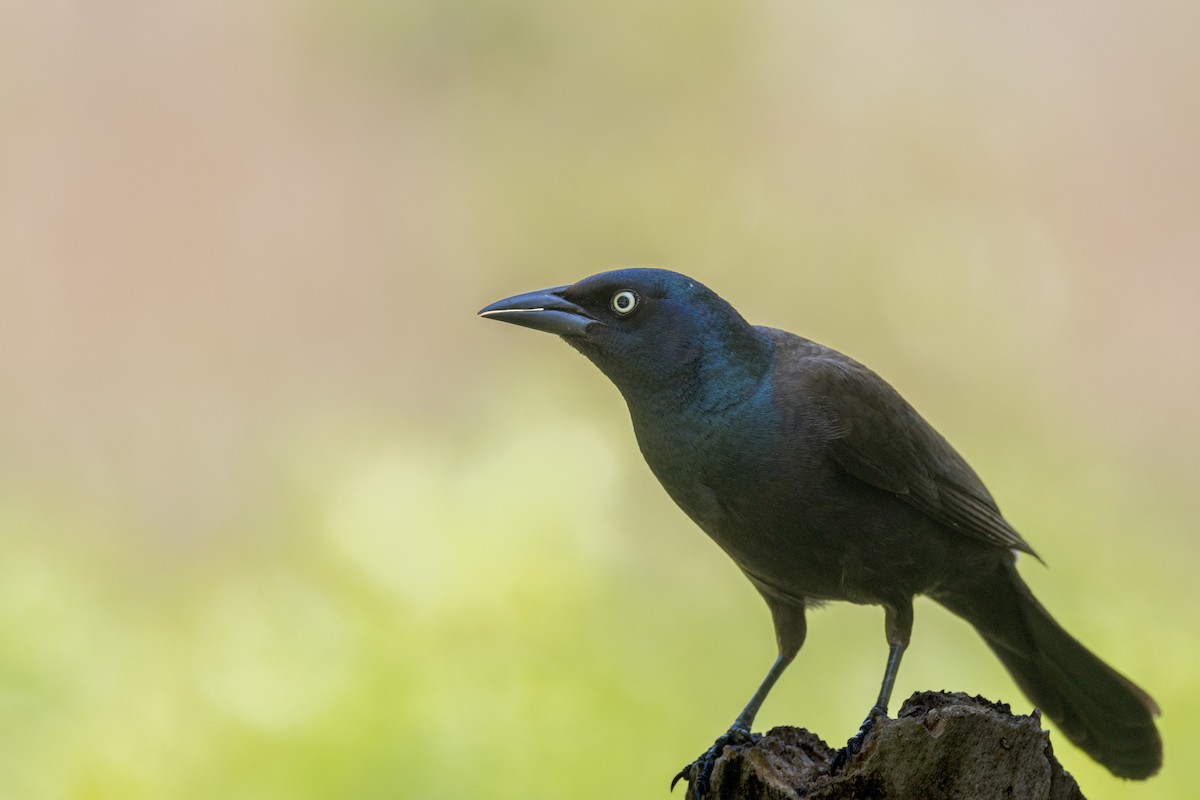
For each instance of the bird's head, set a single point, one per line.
(648, 330)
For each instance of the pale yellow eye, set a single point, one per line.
(624, 302)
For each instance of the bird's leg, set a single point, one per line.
(790, 630)
(700, 770)
(898, 624)
(881, 704)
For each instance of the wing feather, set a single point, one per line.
(880, 439)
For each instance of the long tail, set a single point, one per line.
(1098, 709)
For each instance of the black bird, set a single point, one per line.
(822, 483)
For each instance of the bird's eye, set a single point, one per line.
(624, 302)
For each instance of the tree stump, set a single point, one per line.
(940, 746)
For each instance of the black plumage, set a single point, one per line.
(822, 483)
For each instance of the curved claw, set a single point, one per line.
(699, 772)
(855, 743)
(683, 773)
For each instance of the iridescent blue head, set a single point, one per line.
(651, 331)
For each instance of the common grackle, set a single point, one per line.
(822, 483)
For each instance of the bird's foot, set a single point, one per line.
(700, 771)
(854, 745)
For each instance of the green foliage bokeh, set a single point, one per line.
(280, 518)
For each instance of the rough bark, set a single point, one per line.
(940, 745)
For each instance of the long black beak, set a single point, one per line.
(546, 310)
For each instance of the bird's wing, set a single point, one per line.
(877, 437)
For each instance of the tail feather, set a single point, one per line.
(1097, 708)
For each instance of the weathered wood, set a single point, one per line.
(940, 746)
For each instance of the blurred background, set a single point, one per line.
(281, 518)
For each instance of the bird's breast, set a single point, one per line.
(712, 464)
(774, 501)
